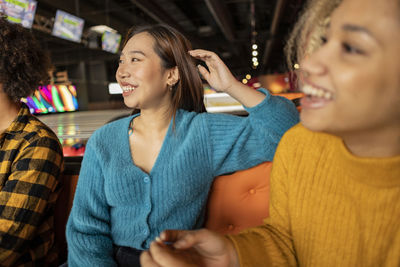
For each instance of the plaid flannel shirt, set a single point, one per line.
(31, 162)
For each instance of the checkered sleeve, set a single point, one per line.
(26, 198)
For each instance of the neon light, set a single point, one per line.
(52, 98)
(66, 98)
(56, 99)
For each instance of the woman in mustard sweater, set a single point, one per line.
(335, 185)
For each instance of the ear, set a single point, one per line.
(173, 76)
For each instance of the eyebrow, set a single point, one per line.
(355, 28)
(134, 52)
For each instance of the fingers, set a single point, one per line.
(204, 72)
(210, 58)
(171, 236)
(158, 255)
(181, 239)
(218, 74)
(203, 54)
(166, 256)
(147, 261)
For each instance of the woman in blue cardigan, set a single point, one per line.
(153, 170)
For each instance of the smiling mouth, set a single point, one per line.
(314, 92)
(128, 88)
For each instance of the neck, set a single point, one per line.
(8, 110)
(154, 120)
(379, 144)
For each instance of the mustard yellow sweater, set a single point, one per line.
(328, 208)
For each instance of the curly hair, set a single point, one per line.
(23, 64)
(306, 35)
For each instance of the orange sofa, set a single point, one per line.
(239, 200)
(236, 201)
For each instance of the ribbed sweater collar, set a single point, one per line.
(383, 172)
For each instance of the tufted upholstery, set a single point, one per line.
(239, 200)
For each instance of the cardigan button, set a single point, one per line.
(146, 179)
(252, 191)
(230, 227)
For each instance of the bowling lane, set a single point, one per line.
(80, 125)
(74, 128)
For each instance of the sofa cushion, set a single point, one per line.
(239, 200)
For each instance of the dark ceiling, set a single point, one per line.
(226, 27)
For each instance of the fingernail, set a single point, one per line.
(162, 236)
(158, 240)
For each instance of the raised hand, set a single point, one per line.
(218, 75)
(190, 248)
(221, 79)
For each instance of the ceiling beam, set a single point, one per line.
(114, 10)
(218, 10)
(224, 20)
(279, 8)
(157, 13)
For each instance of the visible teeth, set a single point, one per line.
(316, 92)
(127, 88)
(328, 95)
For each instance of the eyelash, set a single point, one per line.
(346, 46)
(132, 60)
(351, 49)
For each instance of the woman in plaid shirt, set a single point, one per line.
(30, 156)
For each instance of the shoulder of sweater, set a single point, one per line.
(299, 134)
(110, 131)
(211, 118)
(183, 118)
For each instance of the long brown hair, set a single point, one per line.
(172, 47)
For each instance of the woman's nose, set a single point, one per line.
(314, 64)
(121, 72)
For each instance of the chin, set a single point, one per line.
(314, 123)
(130, 104)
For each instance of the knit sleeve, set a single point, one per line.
(271, 244)
(88, 227)
(242, 142)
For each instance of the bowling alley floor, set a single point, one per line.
(81, 124)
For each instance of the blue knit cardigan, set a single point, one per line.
(118, 203)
